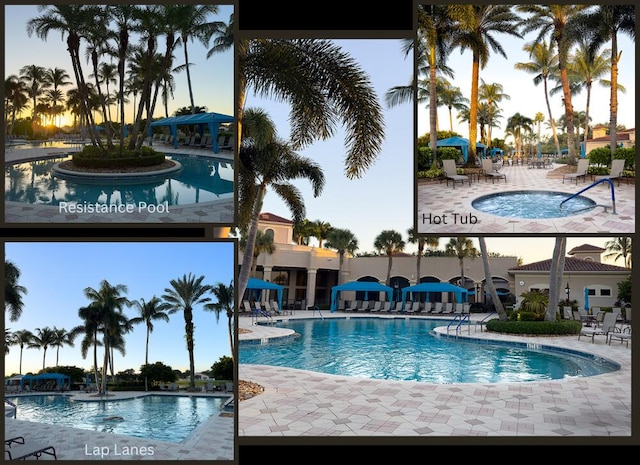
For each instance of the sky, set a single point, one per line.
(528, 99)
(56, 274)
(212, 79)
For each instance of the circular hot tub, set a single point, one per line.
(533, 204)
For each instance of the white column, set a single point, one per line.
(311, 287)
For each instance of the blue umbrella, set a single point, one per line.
(586, 298)
(539, 150)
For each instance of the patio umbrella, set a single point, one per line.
(586, 298)
(539, 150)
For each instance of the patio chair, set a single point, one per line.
(377, 306)
(387, 306)
(276, 308)
(608, 325)
(616, 171)
(581, 171)
(448, 308)
(437, 309)
(228, 386)
(489, 172)
(428, 307)
(247, 306)
(620, 334)
(17, 449)
(397, 307)
(451, 173)
(363, 307)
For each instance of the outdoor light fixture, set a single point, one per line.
(567, 290)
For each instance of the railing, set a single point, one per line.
(483, 321)
(15, 407)
(258, 312)
(613, 195)
(316, 308)
(460, 318)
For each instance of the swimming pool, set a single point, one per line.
(533, 204)
(163, 418)
(202, 179)
(406, 350)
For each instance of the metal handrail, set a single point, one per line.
(15, 407)
(613, 194)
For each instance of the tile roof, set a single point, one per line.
(273, 218)
(570, 265)
(586, 248)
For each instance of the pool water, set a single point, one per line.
(163, 418)
(533, 204)
(406, 350)
(202, 179)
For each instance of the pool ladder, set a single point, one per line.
(613, 195)
(460, 318)
(13, 406)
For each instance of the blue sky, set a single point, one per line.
(212, 78)
(56, 274)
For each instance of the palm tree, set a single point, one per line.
(61, 338)
(13, 292)
(452, 97)
(555, 277)
(390, 242)
(320, 229)
(107, 73)
(619, 247)
(149, 311)
(560, 22)
(461, 247)
(267, 163)
(603, 25)
(22, 338)
(302, 232)
(183, 296)
(16, 99)
(8, 341)
(414, 238)
(488, 279)
(477, 24)
(224, 303)
(343, 241)
(543, 64)
(493, 94)
(517, 125)
(43, 338)
(92, 317)
(263, 243)
(36, 81)
(58, 78)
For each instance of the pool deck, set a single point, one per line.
(212, 440)
(217, 211)
(303, 403)
(437, 199)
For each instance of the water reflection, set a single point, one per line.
(200, 180)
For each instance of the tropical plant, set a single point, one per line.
(452, 97)
(619, 247)
(16, 99)
(320, 229)
(390, 242)
(42, 339)
(536, 302)
(8, 341)
(422, 242)
(343, 241)
(488, 279)
(21, 338)
(61, 338)
(225, 302)
(183, 296)
(517, 125)
(150, 311)
(13, 292)
(36, 81)
(263, 244)
(492, 94)
(461, 247)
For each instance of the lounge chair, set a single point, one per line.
(616, 171)
(489, 172)
(451, 173)
(17, 449)
(397, 308)
(247, 306)
(377, 306)
(620, 334)
(437, 309)
(228, 386)
(364, 306)
(275, 308)
(581, 171)
(448, 308)
(386, 307)
(428, 307)
(608, 325)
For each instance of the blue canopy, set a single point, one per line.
(460, 292)
(462, 144)
(210, 120)
(366, 286)
(58, 377)
(257, 285)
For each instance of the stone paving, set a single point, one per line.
(434, 200)
(221, 211)
(214, 439)
(304, 403)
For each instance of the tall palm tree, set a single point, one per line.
(452, 97)
(8, 341)
(343, 241)
(107, 73)
(22, 338)
(477, 26)
(183, 296)
(61, 338)
(555, 277)
(267, 163)
(320, 229)
(16, 100)
(224, 303)
(390, 242)
(414, 238)
(517, 125)
(461, 247)
(13, 292)
(558, 21)
(493, 94)
(149, 312)
(42, 339)
(263, 244)
(488, 278)
(603, 25)
(619, 247)
(36, 79)
(302, 232)
(58, 78)
(92, 318)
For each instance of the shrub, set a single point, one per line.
(553, 328)
(95, 157)
(600, 156)
(431, 174)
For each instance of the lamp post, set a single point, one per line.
(478, 291)
(396, 292)
(568, 291)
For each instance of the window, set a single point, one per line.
(605, 292)
(269, 233)
(591, 291)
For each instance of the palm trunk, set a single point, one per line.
(555, 276)
(613, 118)
(568, 109)
(433, 107)
(488, 278)
(231, 341)
(473, 110)
(186, 63)
(247, 256)
(188, 326)
(146, 360)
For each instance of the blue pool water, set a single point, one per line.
(165, 418)
(202, 179)
(405, 349)
(533, 204)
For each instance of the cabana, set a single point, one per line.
(256, 286)
(462, 144)
(460, 292)
(366, 286)
(36, 381)
(202, 120)
(495, 151)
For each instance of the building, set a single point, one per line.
(624, 139)
(308, 273)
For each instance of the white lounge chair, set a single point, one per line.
(608, 325)
(581, 171)
(377, 306)
(448, 308)
(616, 171)
(437, 309)
(16, 449)
(428, 307)
(620, 334)
(489, 172)
(397, 307)
(387, 306)
(451, 173)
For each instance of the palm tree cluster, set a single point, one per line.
(567, 49)
(104, 323)
(144, 69)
